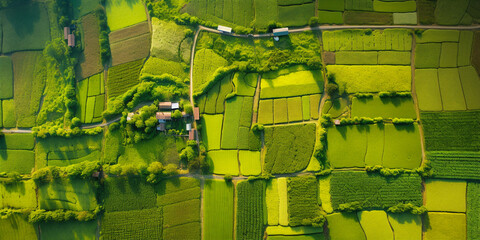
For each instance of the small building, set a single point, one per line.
(161, 127)
(162, 117)
(71, 40)
(165, 105)
(188, 126)
(175, 105)
(224, 29)
(280, 31)
(196, 113)
(66, 32)
(130, 116)
(191, 134)
(337, 122)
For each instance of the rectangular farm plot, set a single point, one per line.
(294, 109)
(245, 84)
(402, 147)
(306, 108)
(361, 40)
(231, 122)
(18, 195)
(451, 89)
(176, 190)
(315, 105)
(24, 141)
(465, 48)
(212, 130)
(123, 77)
(448, 56)
(428, 90)
(283, 154)
(280, 110)
(296, 15)
(473, 209)
(134, 224)
(25, 27)
(455, 164)
(282, 201)
(16, 226)
(126, 194)
(344, 226)
(89, 60)
(348, 146)
(282, 231)
(224, 162)
(249, 162)
(218, 209)
(445, 195)
(374, 190)
(427, 55)
(394, 58)
(356, 58)
(292, 84)
(406, 226)
(302, 199)
(8, 111)
(471, 86)
(6, 77)
(457, 131)
(435, 35)
(272, 202)
(122, 14)
(265, 111)
(131, 49)
(69, 194)
(372, 78)
(85, 230)
(385, 107)
(375, 225)
(250, 209)
(21, 161)
(446, 226)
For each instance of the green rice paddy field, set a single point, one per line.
(335, 134)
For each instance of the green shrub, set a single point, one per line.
(402, 121)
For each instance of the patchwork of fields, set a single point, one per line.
(334, 134)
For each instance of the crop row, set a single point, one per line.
(250, 215)
(455, 164)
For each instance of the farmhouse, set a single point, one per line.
(280, 32)
(192, 134)
(71, 40)
(196, 113)
(168, 105)
(162, 117)
(66, 32)
(224, 29)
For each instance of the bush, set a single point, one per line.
(332, 89)
(407, 207)
(403, 121)
(394, 94)
(350, 207)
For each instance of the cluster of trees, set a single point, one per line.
(105, 53)
(407, 207)
(61, 215)
(63, 8)
(320, 149)
(10, 177)
(193, 156)
(52, 130)
(425, 170)
(394, 94)
(82, 170)
(402, 121)
(152, 173)
(360, 120)
(142, 125)
(145, 91)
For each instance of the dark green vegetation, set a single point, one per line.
(123, 194)
(455, 164)
(288, 148)
(134, 224)
(250, 209)
(123, 77)
(302, 202)
(456, 131)
(370, 190)
(473, 210)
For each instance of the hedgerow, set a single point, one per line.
(82, 170)
(105, 52)
(60, 215)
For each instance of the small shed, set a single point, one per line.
(337, 122)
(161, 127)
(130, 116)
(66, 32)
(188, 126)
(196, 113)
(162, 117)
(165, 105)
(280, 31)
(191, 134)
(224, 29)
(71, 40)
(175, 105)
